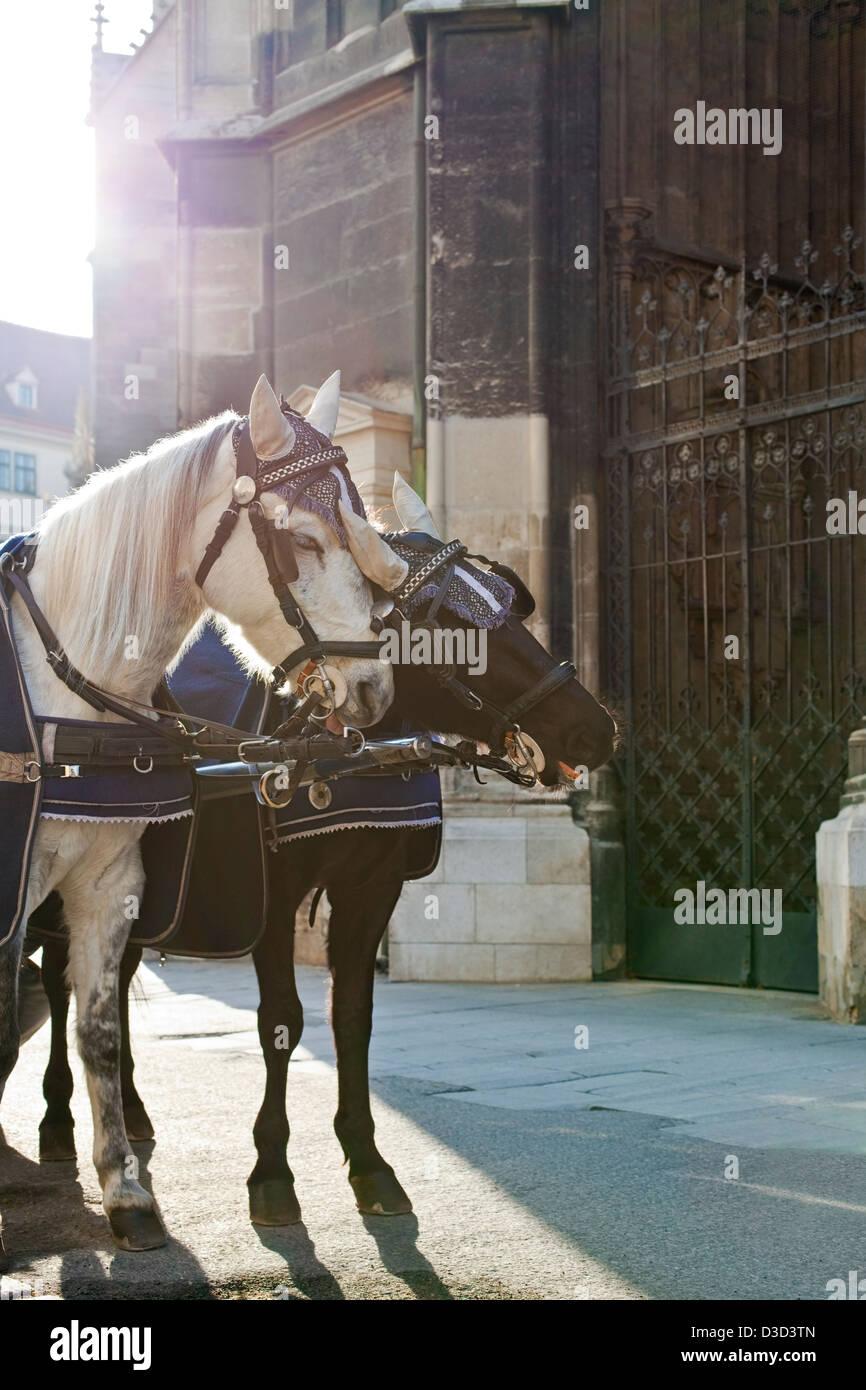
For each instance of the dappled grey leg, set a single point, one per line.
(98, 932)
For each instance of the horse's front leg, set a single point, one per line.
(98, 932)
(271, 1184)
(358, 920)
(135, 1117)
(56, 1132)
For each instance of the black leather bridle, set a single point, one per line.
(439, 567)
(255, 476)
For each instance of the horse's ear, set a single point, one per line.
(373, 556)
(270, 431)
(322, 414)
(412, 512)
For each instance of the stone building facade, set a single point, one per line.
(481, 214)
(44, 421)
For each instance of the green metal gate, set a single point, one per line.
(736, 622)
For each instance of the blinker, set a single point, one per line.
(524, 603)
(284, 554)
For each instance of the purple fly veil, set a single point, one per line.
(318, 488)
(477, 596)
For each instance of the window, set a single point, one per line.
(386, 8)
(26, 395)
(25, 473)
(5, 470)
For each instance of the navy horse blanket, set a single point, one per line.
(205, 843)
(409, 802)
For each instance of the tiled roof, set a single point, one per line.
(61, 365)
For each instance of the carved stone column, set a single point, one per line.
(841, 874)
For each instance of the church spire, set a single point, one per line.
(100, 21)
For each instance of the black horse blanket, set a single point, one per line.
(206, 886)
(413, 802)
(157, 798)
(205, 862)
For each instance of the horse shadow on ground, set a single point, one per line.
(46, 1212)
(396, 1238)
(311, 1278)
(640, 1197)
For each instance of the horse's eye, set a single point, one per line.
(303, 542)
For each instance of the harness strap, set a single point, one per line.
(159, 723)
(72, 744)
(279, 560)
(314, 906)
(560, 675)
(507, 718)
(213, 549)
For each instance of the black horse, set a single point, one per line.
(363, 871)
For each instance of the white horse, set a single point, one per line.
(117, 560)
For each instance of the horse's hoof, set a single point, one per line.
(56, 1143)
(380, 1194)
(135, 1228)
(273, 1203)
(137, 1123)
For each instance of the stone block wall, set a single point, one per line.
(509, 900)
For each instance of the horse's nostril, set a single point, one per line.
(367, 698)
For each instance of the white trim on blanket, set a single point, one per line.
(117, 820)
(360, 825)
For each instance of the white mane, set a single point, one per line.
(121, 534)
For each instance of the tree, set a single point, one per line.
(81, 464)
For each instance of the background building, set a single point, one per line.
(45, 379)
(480, 213)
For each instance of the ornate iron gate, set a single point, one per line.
(736, 622)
